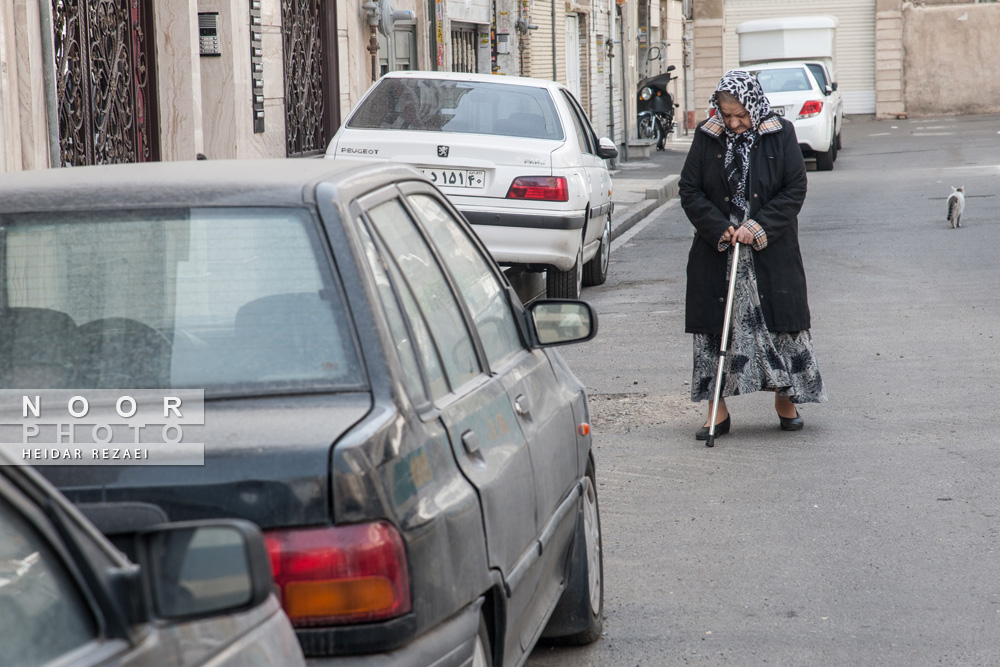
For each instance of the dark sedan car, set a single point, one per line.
(197, 593)
(338, 360)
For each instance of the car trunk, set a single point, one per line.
(788, 104)
(266, 460)
(447, 158)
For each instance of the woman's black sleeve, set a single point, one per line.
(782, 209)
(709, 221)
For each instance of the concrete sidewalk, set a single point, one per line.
(640, 186)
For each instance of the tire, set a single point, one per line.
(595, 272)
(824, 161)
(578, 618)
(840, 144)
(565, 284)
(647, 127)
(834, 148)
(482, 653)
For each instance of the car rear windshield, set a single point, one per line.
(783, 80)
(236, 301)
(819, 73)
(468, 107)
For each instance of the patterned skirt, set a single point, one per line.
(758, 360)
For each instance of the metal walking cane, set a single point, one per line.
(724, 348)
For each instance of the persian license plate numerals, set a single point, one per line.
(456, 178)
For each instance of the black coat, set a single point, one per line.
(777, 191)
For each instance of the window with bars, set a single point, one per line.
(464, 48)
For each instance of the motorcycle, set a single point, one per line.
(656, 107)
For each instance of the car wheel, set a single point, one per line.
(595, 272)
(833, 147)
(824, 161)
(840, 144)
(482, 655)
(579, 617)
(566, 284)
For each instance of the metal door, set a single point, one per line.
(106, 85)
(312, 115)
(487, 440)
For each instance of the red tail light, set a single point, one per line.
(541, 188)
(811, 108)
(340, 574)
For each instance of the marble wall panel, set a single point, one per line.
(34, 132)
(178, 80)
(10, 135)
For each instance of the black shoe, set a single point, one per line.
(791, 423)
(721, 428)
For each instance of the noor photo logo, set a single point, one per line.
(102, 426)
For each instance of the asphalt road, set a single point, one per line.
(869, 538)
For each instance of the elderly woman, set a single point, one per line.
(744, 181)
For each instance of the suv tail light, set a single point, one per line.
(340, 574)
(542, 188)
(810, 108)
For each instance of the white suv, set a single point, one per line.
(517, 156)
(804, 93)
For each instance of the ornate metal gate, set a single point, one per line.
(311, 104)
(106, 87)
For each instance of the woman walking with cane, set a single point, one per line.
(744, 181)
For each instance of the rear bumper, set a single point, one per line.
(528, 220)
(529, 237)
(450, 644)
(814, 134)
(533, 248)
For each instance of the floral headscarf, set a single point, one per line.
(745, 87)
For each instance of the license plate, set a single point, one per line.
(456, 178)
(778, 110)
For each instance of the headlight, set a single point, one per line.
(645, 93)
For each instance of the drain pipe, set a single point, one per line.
(687, 74)
(555, 72)
(49, 81)
(621, 43)
(611, 84)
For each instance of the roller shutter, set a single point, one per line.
(855, 50)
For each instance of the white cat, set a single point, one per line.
(956, 204)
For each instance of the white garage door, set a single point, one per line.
(855, 49)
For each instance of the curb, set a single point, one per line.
(655, 197)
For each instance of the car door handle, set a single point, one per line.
(521, 407)
(471, 443)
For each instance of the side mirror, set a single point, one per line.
(195, 569)
(606, 149)
(559, 322)
(671, 68)
(833, 86)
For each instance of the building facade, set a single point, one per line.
(893, 58)
(96, 81)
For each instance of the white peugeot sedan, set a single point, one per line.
(796, 92)
(517, 156)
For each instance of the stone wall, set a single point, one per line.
(950, 53)
(708, 61)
